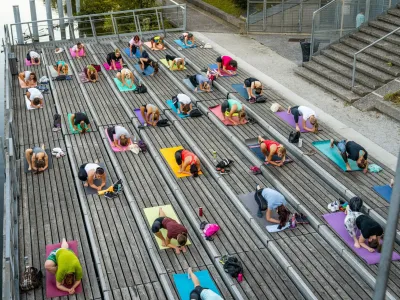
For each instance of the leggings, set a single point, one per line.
(342, 148)
(178, 157)
(350, 222)
(109, 59)
(111, 132)
(133, 47)
(82, 175)
(295, 112)
(169, 57)
(258, 197)
(193, 80)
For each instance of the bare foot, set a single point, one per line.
(357, 245)
(86, 184)
(331, 143)
(183, 249)
(177, 251)
(391, 183)
(163, 244)
(30, 169)
(288, 110)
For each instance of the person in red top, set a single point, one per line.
(185, 158)
(270, 148)
(227, 64)
(174, 231)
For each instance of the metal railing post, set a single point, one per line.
(158, 21)
(134, 20)
(264, 14)
(301, 16)
(367, 10)
(34, 20)
(49, 18)
(353, 78)
(140, 27)
(312, 34)
(93, 29)
(17, 19)
(163, 27)
(184, 12)
(114, 22)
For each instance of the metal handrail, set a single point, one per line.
(365, 48)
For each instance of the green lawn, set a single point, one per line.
(227, 6)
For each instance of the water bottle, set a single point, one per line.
(134, 139)
(214, 153)
(240, 277)
(300, 143)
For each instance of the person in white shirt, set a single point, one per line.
(134, 44)
(121, 134)
(29, 78)
(125, 75)
(307, 114)
(33, 57)
(179, 62)
(89, 172)
(77, 48)
(36, 97)
(200, 293)
(182, 103)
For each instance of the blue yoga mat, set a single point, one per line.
(128, 52)
(148, 71)
(384, 191)
(170, 104)
(190, 85)
(241, 90)
(124, 88)
(184, 285)
(334, 155)
(257, 151)
(182, 44)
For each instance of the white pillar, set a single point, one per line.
(17, 19)
(35, 31)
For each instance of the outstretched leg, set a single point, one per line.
(161, 212)
(194, 278)
(28, 156)
(64, 244)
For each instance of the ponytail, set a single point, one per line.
(283, 214)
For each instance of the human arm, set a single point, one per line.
(61, 287)
(59, 69)
(362, 243)
(307, 128)
(33, 158)
(269, 217)
(184, 165)
(46, 163)
(97, 75)
(272, 152)
(72, 289)
(90, 182)
(161, 237)
(103, 181)
(72, 120)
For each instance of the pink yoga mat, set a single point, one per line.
(216, 110)
(73, 54)
(139, 116)
(23, 85)
(107, 66)
(27, 62)
(289, 118)
(115, 149)
(336, 221)
(51, 288)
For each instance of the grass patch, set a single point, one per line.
(393, 97)
(227, 6)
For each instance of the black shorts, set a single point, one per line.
(249, 81)
(169, 57)
(193, 80)
(295, 112)
(195, 294)
(82, 175)
(156, 227)
(111, 132)
(28, 57)
(219, 59)
(178, 157)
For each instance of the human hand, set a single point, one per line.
(163, 243)
(371, 250)
(365, 170)
(71, 291)
(177, 250)
(297, 128)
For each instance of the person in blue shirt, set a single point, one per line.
(199, 292)
(275, 201)
(360, 19)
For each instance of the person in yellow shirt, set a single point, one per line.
(63, 263)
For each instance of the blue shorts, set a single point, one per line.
(342, 146)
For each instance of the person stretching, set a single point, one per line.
(227, 64)
(175, 61)
(125, 75)
(275, 201)
(77, 48)
(91, 73)
(200, 293)
(230, 107)
(182, 103)
(200, 81)
(29, 78)
(33, 57)
(146, 61)
(121, 135)
(307, 114)
(184, 159)
(251, 84)
(80, 118)
(65, 265)
(188, 39)
(61, 67)
(352, 150)
(113, 58)
(148, 110)
(174, 231)
(89, 172)
(35, 97)
(157, 43)
(134, 44)
(37, 159)
(270, 148)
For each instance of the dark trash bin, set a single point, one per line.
(306, 47)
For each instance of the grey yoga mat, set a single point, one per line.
(26, 166)
(92, 191)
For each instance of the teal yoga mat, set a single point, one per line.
(171, 105)
(334, 155)
(184, 285)
(124, 88)
(148, 71)
(182, 44)
(241, 90)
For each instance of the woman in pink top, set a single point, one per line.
(134, 44)
(227, 64)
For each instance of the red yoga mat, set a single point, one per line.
(216, 110)
(51, 287)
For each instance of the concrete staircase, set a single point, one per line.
(376, 66)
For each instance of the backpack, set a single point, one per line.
(57, 121)
(43, 80)
(209, 230)
(261, 99)
(224, 163)
(163, 123)
(195, 112)
(141, 89)
(232, 266)
(30, 279)
(262, 204)
(60, 77)
(142, 146)
(294, 137)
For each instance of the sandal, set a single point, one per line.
(305, 219)
(309, 153)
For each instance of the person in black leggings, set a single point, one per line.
(352, 150)
(114, 57)
(146, 61)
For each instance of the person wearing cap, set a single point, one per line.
(174, 231)
(35, 97)
(89, 172)
(352, 150)
(199, 292)
(185, 158)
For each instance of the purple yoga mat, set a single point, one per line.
(139, 115)
(289, 118)
(336, 221)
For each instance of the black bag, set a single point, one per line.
(30, 279)
(224, 163)
(57, 121)
(262, 204)
(294, 137)
(60, 77)
(142, 146)
(141, 89)
(163, 123)
(195, 113)
(233, 266)
(261, 99)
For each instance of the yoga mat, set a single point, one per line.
(336, 221)
(214, 68)
(28, 63)
(115, 149)
(169, 156)
(171, 105)
(334, 155)
(384, 191)
(128, 52)
(152, 213)
(216, 110)
(174, 66)
(257, 151)
(124, 88)
(73, 54)
(148, 44)
(107, 66)
(184, 285)
(148, 71)
(139, 115)
(23, 85)
(182, 44)
(51, 287)
(72, 127)
(48, 152)
(82, 77)
(54, 74)
(289, 118)
(92, 191)
(241, 90)
(191, 86)
(28, 103)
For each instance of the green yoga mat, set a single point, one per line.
(72, 127)
(124, 88)
(334, 155)
(174, 67)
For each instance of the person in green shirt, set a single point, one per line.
(91, 73)
(65, 265)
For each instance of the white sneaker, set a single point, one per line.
(334, 206)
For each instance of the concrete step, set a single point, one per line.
(336, 78)
(383, 26)
(379, 53)
(330, 86)
(377, 33)
(372, 61)
(369, 39)
(394, 12)
(390, 19)
(361, 67)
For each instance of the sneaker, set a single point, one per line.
(143, 73)
(56, 129)
(258, 187)
(334, 206)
